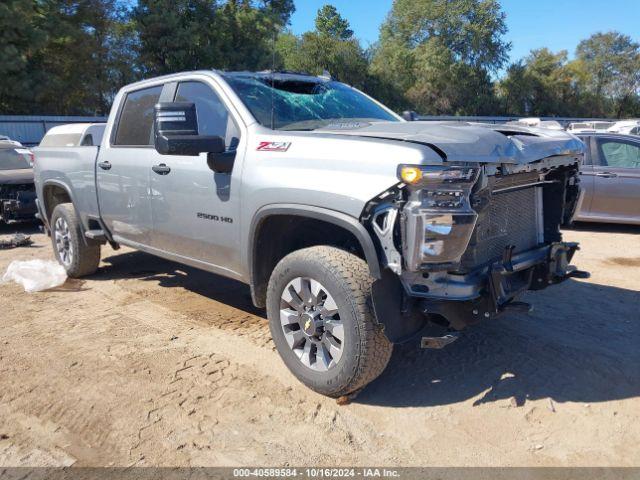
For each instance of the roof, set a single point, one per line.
(279, 75)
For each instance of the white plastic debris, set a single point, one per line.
(35, 275)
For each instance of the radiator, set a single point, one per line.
(511, 218)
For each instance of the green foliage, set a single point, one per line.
(602, 81)
(330, 23)
(178, 35)
(433, 56)
(435, 51)
(19, 42)
(613, 61)
(62, 56)
(330, 48)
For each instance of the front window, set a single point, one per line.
(620, 154)
(303, 103)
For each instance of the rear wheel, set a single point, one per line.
(322, 323)
(78, 255)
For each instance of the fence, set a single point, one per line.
(29, 129)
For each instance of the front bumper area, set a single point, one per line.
(21, 207)
(451, 302)
(466, 299)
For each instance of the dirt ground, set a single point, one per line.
(152, 363)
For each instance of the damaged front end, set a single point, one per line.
(17, 202)
(462, 241)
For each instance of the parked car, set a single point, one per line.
(537, 122)
(17, 190)
(354, 228)
(588, 127)
(610, 178)
(626, 127)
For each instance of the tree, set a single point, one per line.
(62, 56)
(331, 47)
(541, 86)
(330, 23)
(19, 43)
(432, 50)
(180, 35)
(176, 35)
(614, 62)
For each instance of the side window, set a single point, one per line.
(213, 116)
(619, 154)
(635, 131)
(136, 119)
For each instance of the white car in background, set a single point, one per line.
(589, 127)
(538, 123)
(626, 127)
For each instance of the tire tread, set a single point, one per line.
(375, 349)
(87, 257)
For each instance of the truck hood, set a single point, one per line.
(469, 142)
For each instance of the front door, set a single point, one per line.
(617, 179)
(124, 166)
(194, 210)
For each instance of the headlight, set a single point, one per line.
(438, 175)
(438, 216)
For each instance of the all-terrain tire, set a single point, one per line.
(366, 349)
(84, 254)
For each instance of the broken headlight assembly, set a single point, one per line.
(438, 218)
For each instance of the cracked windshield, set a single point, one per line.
(305, 104)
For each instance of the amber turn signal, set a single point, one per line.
(410, 175)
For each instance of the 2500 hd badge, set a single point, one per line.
(214, 218)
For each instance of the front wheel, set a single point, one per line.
(322, 323)
(78, 255)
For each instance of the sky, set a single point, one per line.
(556, 24)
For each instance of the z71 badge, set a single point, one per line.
(273, 146)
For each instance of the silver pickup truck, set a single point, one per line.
(354, 228)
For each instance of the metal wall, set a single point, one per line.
(29, 130)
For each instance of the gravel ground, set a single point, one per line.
(152, 363)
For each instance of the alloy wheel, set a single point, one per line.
(62, 238)
(311, 324)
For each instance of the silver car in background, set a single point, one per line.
(17, 190)
(610, 178)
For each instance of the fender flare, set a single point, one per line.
(339, 219)
(56, 183)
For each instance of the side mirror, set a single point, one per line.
(410, 115)
(176, 131)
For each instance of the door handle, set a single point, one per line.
(606, 174)
(161, 169)
(105, 165)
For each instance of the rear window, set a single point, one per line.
(61, 140)
(11, 159)
(136, 119)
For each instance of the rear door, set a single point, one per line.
(124, 167)
(617, 179)
(195, 211)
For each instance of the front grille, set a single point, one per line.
(510, 218)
